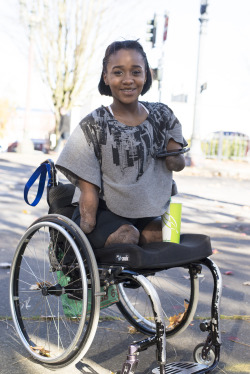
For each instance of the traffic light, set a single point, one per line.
(203, 7)
(151, 31)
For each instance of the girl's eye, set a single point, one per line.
(117, 72)
(136, 72)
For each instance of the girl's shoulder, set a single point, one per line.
(95, 117)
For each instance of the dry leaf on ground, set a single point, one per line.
(177, 318)
(132, 330)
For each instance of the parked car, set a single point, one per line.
(12, 147)
(39, 145)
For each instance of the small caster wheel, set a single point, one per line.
(197, 354)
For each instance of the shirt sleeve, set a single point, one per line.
(78, 159)
(174, 128)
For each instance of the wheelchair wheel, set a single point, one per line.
(53, 286)
(178, 290)
(197, 354)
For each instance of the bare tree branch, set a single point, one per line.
(65, 35)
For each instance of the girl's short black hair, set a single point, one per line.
(112, 49)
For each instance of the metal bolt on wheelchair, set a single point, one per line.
(57, 281)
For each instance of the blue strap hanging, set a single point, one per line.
(41, 172)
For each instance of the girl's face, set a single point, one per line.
(125, 75)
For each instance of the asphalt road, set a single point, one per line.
(215, 206)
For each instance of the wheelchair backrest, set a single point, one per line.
(59, 195)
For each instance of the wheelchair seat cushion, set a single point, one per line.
(160, 255)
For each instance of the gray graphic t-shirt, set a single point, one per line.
(121, 160)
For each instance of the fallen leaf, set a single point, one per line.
(34, 287)
(132, 330)
(246, 283)
(42, 351)
(176, 319)
(215, 251)
(243, 234)
(40, 285)
(229, 273)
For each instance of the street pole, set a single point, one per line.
(161, 60)
(196, 154)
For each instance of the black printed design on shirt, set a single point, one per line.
(130, 146)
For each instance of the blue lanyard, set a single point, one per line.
(41, 172)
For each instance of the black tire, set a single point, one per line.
(54, 279)
(178, 291)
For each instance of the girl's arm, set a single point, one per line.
(88, 205)
(174, 163)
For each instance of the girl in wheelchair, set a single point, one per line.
(112, 155)
(121, 159)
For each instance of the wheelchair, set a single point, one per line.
(57, 282)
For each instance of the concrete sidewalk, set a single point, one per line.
(109, 350)
(216, 168)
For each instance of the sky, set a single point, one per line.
(225, 59)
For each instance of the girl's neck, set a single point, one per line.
(120, 108)
(130, 115)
